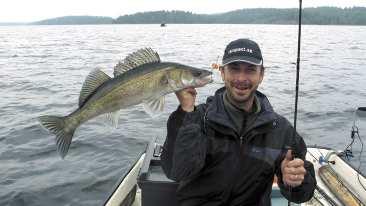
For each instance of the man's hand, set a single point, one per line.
(293, 171)
(187, 98)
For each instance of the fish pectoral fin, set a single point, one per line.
(112, 118)
(154, 107)
(95, 78)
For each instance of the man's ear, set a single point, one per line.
(262, 75)
(221, 68)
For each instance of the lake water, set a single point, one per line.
(42, 69)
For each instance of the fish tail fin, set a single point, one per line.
(63, 131)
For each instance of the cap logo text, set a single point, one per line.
(242, 49)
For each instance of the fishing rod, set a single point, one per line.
(297, 79)
(297, 66)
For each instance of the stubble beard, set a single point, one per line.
(242, 102)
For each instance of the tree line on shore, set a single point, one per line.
(317, 16)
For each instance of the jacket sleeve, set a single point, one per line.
(305, 191)
(184, 150)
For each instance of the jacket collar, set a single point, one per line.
(217, 115)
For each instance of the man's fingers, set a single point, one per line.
(189, 90)
(293, 183)
(295, 163)
(187, 98)
(295, 170)
(192, 91)
(294, 179)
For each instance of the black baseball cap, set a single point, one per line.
(242, 50)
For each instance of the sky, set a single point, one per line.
(35, 10)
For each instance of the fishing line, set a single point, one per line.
(313, 156)
(359, 159)
(348, 151)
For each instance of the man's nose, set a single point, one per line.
(241, 76)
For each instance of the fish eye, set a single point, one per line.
(197, 73)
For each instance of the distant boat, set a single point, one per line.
(162, 25)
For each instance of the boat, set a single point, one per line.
(162, 25)
(338, 183)
(146, 184)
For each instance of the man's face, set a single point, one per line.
(241, 81)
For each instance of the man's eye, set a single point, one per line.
(251, 68)
(234, 69)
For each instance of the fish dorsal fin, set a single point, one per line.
(95, 78)
(138, 58)
(154, 107)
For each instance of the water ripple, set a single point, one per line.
(43, 69)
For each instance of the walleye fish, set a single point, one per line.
(140, 78)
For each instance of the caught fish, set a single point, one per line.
(140, 78)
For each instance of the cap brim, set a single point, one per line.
(249, 60)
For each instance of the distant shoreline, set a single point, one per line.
(35, 25)
(355, 16)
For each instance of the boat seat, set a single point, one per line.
(156, 188)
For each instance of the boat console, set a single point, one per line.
(156, 188)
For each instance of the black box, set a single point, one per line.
(156, 188)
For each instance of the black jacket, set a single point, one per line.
(215, 165)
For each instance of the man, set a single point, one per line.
(227, 151)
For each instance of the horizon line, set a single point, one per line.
(29, 22)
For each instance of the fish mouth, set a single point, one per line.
(204, 80)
